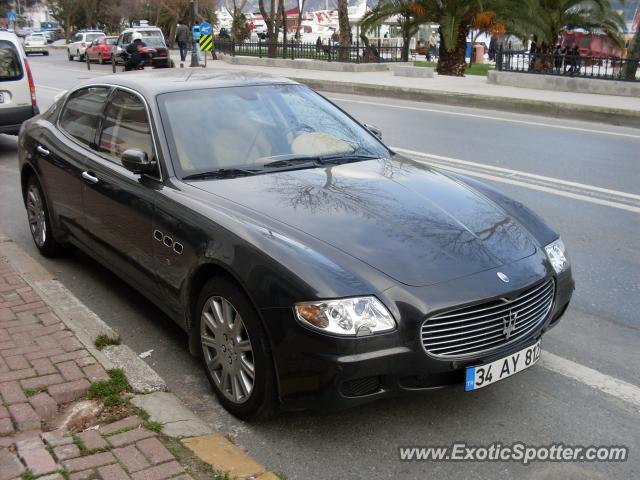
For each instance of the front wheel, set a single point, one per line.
(235, 350)
(69, 55)
(40, 220)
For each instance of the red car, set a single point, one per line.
(100, 49)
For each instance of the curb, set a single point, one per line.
(589, 113)
(177, 419)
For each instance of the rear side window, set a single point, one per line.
(82, 113)
(125, 126)
(10, 65)
(93, 36)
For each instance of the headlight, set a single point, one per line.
(557, 255)
(349, 316)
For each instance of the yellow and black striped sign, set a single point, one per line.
(206, 43)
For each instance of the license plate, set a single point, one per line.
(483, 375)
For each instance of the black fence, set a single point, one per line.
(605, 68)
(376, 52)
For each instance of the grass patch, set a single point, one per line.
(281, 476)
(117, 432)
(141, 413)
(153, 426)
(102, 341)
(27, 475)
(64, 474)
(110, 391)
(223, 476)
(473, 69)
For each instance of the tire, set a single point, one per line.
(81, 57)
(40, 220)
(69, 55)
(237, 349)
(46, 54)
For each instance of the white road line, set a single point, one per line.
(489, 117)
(593, 378)
(521, 173)
(53, 89)
(553, 191)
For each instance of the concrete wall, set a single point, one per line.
(565, 84)
(403, 70)
(305, 64)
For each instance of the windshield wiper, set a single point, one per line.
(318, 161)
(222, 173)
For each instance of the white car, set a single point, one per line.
(81, 41)
(36, 43)
(17, 90)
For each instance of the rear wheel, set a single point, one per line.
(40, 220)
(235, 350)
(81, 57)
(69, 55)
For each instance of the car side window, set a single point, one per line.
(125, 126)
(82, 113)
(78, 37)
(126, 39)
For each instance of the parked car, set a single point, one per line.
(17, 90)
(100, 49)
(36, 43)
(154, 40)
(80, 42)
(309, 264)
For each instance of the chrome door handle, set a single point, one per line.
(89, 177)
(42, 150)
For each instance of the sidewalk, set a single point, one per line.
(63, 416)
(470, 91)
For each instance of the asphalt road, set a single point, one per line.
(583, 178)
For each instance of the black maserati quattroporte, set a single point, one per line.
(309, 264)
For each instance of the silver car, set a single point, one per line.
(36, 43)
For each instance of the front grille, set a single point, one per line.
(468, 331)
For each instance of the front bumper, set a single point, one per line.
(316, 370)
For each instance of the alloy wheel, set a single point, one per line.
(227, 349)
(36, 215)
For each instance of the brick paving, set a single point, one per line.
(42, 368)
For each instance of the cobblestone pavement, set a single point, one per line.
(43, 368)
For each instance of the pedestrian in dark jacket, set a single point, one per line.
(182, 38)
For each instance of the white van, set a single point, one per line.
(17, 90)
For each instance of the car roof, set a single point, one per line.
(5, 35)
(154, 82)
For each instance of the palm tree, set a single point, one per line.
(548, 19)
(410, 15)
(633, 57)
(454, 17)
(345, 30)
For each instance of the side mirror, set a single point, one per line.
(374, 130)
(136, 161)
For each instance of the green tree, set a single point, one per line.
(345, 30)
(410, 16)
(633, 57)
(548, 19)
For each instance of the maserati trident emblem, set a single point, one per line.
(503, 277)
(509, 324)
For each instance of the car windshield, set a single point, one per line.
(153, 41)
(92, 36)
(259, 128)
(35, 37)
(111, 41)
(10, 66)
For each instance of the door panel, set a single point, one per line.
(119, 205)
(63, 159)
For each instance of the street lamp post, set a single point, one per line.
(194, 51)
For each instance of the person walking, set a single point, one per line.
(575, 60)
(433, 46)
(182, 38)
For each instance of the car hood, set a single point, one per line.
(407, 220)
